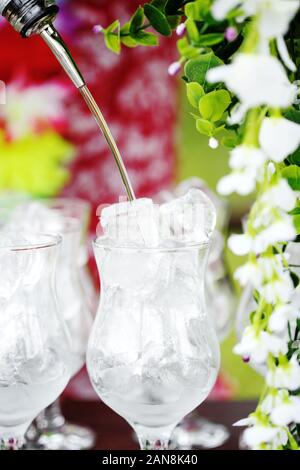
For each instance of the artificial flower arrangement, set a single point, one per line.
(33, 153)
(239, 60)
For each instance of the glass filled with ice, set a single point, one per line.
(35, 349)
(153, 355)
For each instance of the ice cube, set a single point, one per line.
(132, 222)
(35, 216)
(220, 204)
(189, 219)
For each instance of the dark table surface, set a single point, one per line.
(113, 432)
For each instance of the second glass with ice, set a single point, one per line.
(153, 355)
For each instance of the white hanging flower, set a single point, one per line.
(257, 345)
(249, 273)
(285, 375)
(242, 182)
(280, 195)
(281, 230)
(286, 411)
(282, 314)
(269, 85)
(242, 244)
(246, 161)
(261, 432)
(279, 137)
(279, 289)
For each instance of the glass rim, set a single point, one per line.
(65, 200)
(53, 240)
(100, 243)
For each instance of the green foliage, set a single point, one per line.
(186, 50)
(199, 10)
(112, 37)
(157, 19)
(294, 159)
(292, 174)
(210, 39)
(194, 93)
(173, 6)
(296, 219)
(192, 31)
(205, 127)
(137, 21)
(213, 105)
(196, 69)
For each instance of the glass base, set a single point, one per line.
(68, 437)
(12, 443)
(196, 432)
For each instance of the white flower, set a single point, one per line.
(246, 162)
(281, 315)
(261, 432)
(29, 108)
(240, 182)
(280, 195)
(249, 273)
(269, 85)
(279, 289)
(279, 137)
(285, 375)
(241, 244)
(281, 230)
(258, 344)
(286, 411)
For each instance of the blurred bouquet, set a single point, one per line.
(33, 149)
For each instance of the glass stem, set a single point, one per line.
(154, 438)
(11, 443)
(159, 444)
(51, 419)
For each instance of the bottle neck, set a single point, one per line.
(29, 17)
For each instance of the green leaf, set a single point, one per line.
(200, 10)
(192, 30)
(294, 159)
(213, 105)
(296, 220)
(137, 21)
(293, 115)
(186, 50)
(205, 127)
(194, 93)
(210, 39)
(173, 20)
(112, 37)
(295, 279)
(230, 139)
(196, 69)
(157, 20)
(145, 39)
(172, 6)
(292, 174)
(126, 39)
(160, 4)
